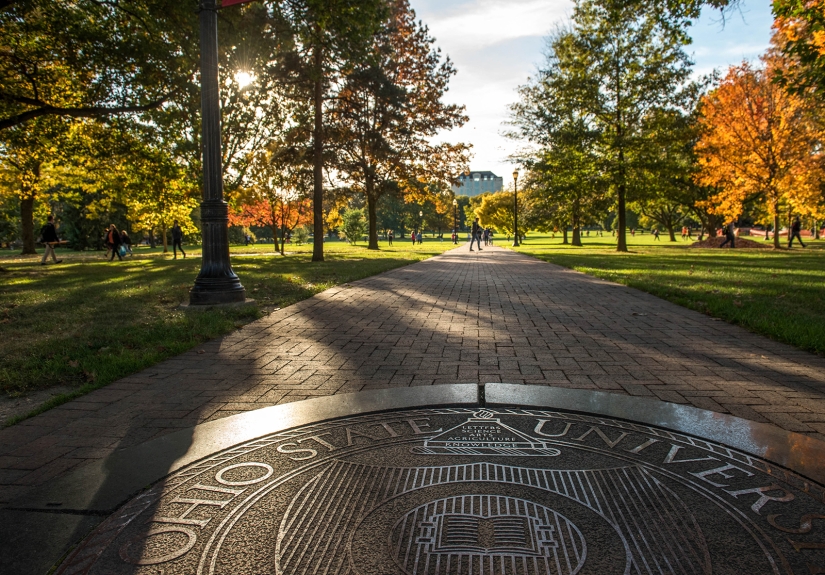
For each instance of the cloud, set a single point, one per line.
(488, 22)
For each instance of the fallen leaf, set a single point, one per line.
(74, 363)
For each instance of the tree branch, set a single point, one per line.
(90, 112)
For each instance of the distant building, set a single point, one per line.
(478, 183)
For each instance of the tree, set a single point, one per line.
(329, 37)
(388, 110)
(496, 211)
(800, 35)
(620, 62)
(759, 144)
(354, 225)
(274, 195)
(565, 185)
(673, 163)
(91, 59)
(26, 152)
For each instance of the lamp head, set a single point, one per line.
(420, 214)
(455, 202)
(515, 175)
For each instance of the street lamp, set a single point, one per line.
(515, 209)
(455, 221)
(216, 283)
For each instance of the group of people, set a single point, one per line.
(416, 236)
(118, 243)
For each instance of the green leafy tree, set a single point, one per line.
(354, 225)
(87, 58)
(618, 63)
(496, 211)
(27, 153)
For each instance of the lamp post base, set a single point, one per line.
(217, 291)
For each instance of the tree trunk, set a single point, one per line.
(621, 232)
(577, 236)
(318, 155)
(27, 224)
(564, 231)
(152, 243)
(165, 239)
(371, 201)
(672, 234)
(776, 229)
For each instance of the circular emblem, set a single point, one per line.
(452, 491)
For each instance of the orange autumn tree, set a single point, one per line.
(273, 198)
(758, 144)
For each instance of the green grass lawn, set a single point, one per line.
(87, 321)
(775, 293)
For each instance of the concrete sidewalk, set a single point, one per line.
(460, 317)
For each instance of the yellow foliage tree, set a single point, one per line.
(496, 211)
(759, 144)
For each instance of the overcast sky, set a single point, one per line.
(497, 44)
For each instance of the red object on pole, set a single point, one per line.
(226, 3)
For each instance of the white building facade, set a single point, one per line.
(478, 183)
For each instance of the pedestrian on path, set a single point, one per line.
(48, 235)
(113, 239)
(177, 239)
(796, 227)
(476, 235)
(730, 236)
(412, 236)
(420, 238)
(656, 234)
(127, 242)
(389, 238)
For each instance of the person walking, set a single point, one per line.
(177, 240)
(796, 228)
(127, 242)
(476, 237)
(730, 236)
(48, 235)
(389, 238)
(113, 239)
(412, 236)
(420, 237)
(656, 234)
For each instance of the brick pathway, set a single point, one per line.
(459, 317)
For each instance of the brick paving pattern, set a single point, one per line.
(457, 318)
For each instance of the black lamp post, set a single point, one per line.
(515, 209)
(455, 221)
(216, 283)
